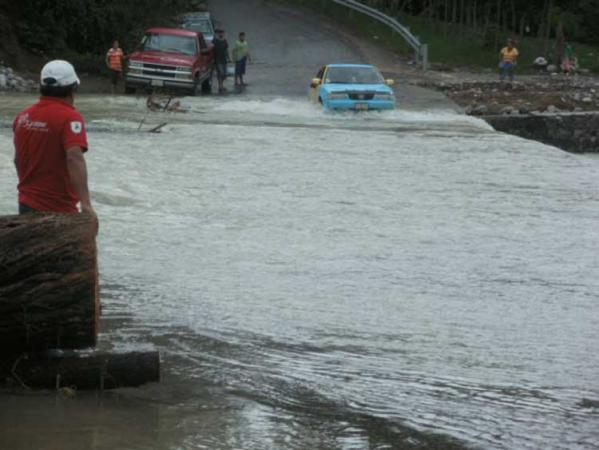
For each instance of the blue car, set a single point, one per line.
(352, 87)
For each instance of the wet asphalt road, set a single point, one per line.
(290, 45)
(287, 47)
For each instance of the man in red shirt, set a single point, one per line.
(50, 140)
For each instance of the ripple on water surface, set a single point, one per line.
(407, 267)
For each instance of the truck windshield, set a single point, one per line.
(170, 43)
(203, 26)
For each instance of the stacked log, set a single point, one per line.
(48, 283)
(96, 370)
(50, 308)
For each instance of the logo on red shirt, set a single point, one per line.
(25, 122)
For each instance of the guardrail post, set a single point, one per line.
(424, 56)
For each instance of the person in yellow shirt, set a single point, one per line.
(508, 58)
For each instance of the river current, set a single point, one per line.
(334, 281)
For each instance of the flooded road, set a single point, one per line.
(408, 279)
(327, 281)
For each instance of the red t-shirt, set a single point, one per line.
(43, 134)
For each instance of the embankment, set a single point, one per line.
(573, 132)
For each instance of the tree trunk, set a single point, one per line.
(514, 17)
(548, 29)
(48, 283)
(446, 17)
(542, 23)
(560, 44)
(83, 371)
(498, 25)
(487, 21)
(522, 26)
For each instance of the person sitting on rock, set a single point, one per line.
(569, 62)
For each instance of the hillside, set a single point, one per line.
(36, 30)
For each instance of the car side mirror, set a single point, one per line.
(390, 82)
(315, 82)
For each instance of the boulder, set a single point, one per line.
(480, 110)
(509, 110)
(552, 109)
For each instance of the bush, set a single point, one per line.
(88, 27)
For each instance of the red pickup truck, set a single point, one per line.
(171, 58)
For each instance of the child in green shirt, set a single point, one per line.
(241, 55)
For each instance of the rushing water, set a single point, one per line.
(338, 279)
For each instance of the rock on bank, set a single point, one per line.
(11, 81)
(574, 132)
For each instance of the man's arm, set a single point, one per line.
(78, 174)
(17, 167)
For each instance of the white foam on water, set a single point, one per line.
(301, 112)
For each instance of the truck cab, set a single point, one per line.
(200, 21)
(171, 58)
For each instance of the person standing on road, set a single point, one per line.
(50, 140)
(241, 56)
(115, 60)
(221, 58)
(508, 58)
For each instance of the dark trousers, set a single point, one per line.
(115, 76)
(240, 67)
(24, 209)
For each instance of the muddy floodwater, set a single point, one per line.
(331, 281)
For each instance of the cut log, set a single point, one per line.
(97, 370)
(48, 283)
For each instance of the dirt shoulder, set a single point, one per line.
(483, 94)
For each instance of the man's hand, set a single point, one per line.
(88, 209)
(78, 174)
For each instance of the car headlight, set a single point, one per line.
(135, 65)
(338, 96)
(384, 97)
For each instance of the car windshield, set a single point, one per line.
(170, 43)
(203, 26)
(353, 75)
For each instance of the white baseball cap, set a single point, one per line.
(59, 73)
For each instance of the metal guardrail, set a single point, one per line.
(420, 49)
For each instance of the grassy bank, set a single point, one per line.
(449, 46)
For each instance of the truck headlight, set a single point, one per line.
(384, 97)
(135, 65)
(183, 73)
